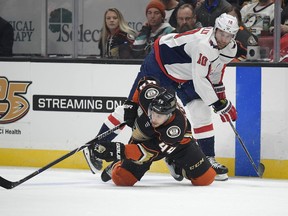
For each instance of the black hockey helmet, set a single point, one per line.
(164, 103)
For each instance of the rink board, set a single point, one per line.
(49, 130)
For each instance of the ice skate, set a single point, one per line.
(107, 172)
(221, 170)
(171, 166)
(93, 162)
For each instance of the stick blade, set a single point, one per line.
(5, 183)
(261, 169)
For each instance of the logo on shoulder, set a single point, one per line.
(173, 131)
(151, 93)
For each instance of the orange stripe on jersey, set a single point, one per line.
(122, 177)
(203, 129)
(133, 152)
(135, 97)
(170, 119)
(206, 179)
(185, 140)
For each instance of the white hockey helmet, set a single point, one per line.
(227, 23)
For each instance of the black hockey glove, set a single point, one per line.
(130, 112)
(110, 151)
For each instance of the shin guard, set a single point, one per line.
(122, 177)
(206, 179)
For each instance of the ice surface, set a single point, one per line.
(61, 192)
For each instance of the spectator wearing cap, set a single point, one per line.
(151, 30)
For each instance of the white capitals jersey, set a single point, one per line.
(253, 16)
(194, 55)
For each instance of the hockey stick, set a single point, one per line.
(261, 168)
(9, 185)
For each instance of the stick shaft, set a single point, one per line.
(245, 149)
(9, 185)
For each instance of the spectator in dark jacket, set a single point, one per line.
(186, 19)
(209, 10)
(116, 36)
(6, 38)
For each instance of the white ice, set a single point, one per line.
(61, 192)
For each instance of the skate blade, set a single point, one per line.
(87, 158)
(221, 177)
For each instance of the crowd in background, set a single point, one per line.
(118, 40)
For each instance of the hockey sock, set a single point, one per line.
(207, 145)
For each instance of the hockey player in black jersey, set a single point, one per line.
(159, 129)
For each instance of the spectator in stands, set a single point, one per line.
(171, 7)
(151, 30)
(244, 37)
(236, 3)
(186, 19)
(284, 21)
(116, 37)
(198, 3)
(6, 38)
(283, 49)
(253, 15)
(209, 10)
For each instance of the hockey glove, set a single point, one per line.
(220, 91)
(226, 110)
(110, 151)
(130, 112)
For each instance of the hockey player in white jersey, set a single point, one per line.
(193, 64)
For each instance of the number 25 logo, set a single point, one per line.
(202, 60)
(13, 106)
